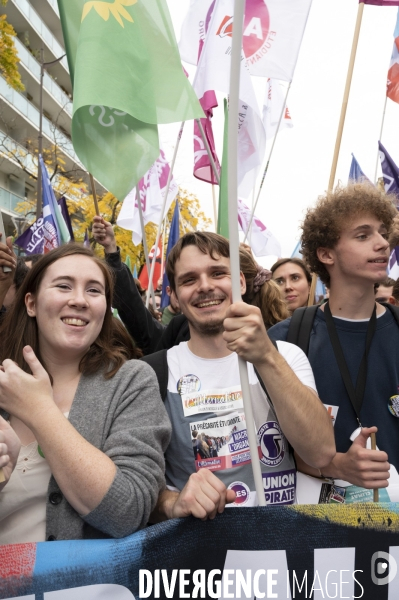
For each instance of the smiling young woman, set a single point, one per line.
(90, 421)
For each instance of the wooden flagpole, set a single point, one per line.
(233, 231)
(94, 194)
(341, 122)
(267, 164)
(346, 96)
(382, 127)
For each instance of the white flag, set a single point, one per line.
(213, 73)
(273, 31)
(272, 107)
(263, 242)
(152, 188)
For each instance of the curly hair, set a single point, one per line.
(268, 298)
(324, 223)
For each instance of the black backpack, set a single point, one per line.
(301, 325)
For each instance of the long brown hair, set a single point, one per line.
(107, 353)
(268, 298)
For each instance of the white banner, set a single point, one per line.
(272, 107)
(261, 239)
(273, 31)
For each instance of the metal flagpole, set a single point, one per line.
(145, 248)
(233, 231)
(382, 127)
(268, 162)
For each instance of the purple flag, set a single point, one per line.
(32, 240)
(390, 173)
(381, 2)
(65, 213)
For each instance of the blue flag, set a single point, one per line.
(174, 235)
(390, 172)
(356, 173)
(50, 207)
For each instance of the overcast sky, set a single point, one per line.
(300, 166)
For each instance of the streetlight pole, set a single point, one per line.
(43, 65)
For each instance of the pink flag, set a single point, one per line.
(151, 191)
(202, 165)
(261, 239)
(393, 72)
(381, 2)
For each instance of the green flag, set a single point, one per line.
(223, 212)
(127, 77)
(128, 262)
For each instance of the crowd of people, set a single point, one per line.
(110, 424)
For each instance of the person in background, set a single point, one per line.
(261, 290)
(294, 280)
(383, 290)
(91, 422)
(394, 298)
(169, 311)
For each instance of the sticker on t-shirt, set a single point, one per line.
(332, 412)
(220, 443)
(242, 493)
(279, 487)
(215, 401)
(188, 384)
(272, 444)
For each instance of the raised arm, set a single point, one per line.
(302, 416)
(139, 322)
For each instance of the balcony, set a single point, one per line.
(9, 201)
(24, 18)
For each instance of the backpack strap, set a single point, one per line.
(262, 385)
(301, 326)
(159, 362)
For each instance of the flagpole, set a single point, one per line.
(147, 300)
(346, 96)
(208, 150)
(233, 231)
(215, 214)
(94, 194)
(382, 127)
(268, 162)
(145, 248)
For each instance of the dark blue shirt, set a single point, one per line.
(382, 376)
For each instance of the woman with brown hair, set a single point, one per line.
(294, 280)
(91, 423)
(262, 291)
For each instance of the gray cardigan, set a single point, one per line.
(126, 419)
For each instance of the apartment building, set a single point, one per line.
(37, 24)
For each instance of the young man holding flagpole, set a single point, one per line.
(208, 463)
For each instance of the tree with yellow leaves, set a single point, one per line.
(8, 54)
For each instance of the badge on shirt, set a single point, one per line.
(188, 384)
(393, 406)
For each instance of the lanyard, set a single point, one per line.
(355, 395)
